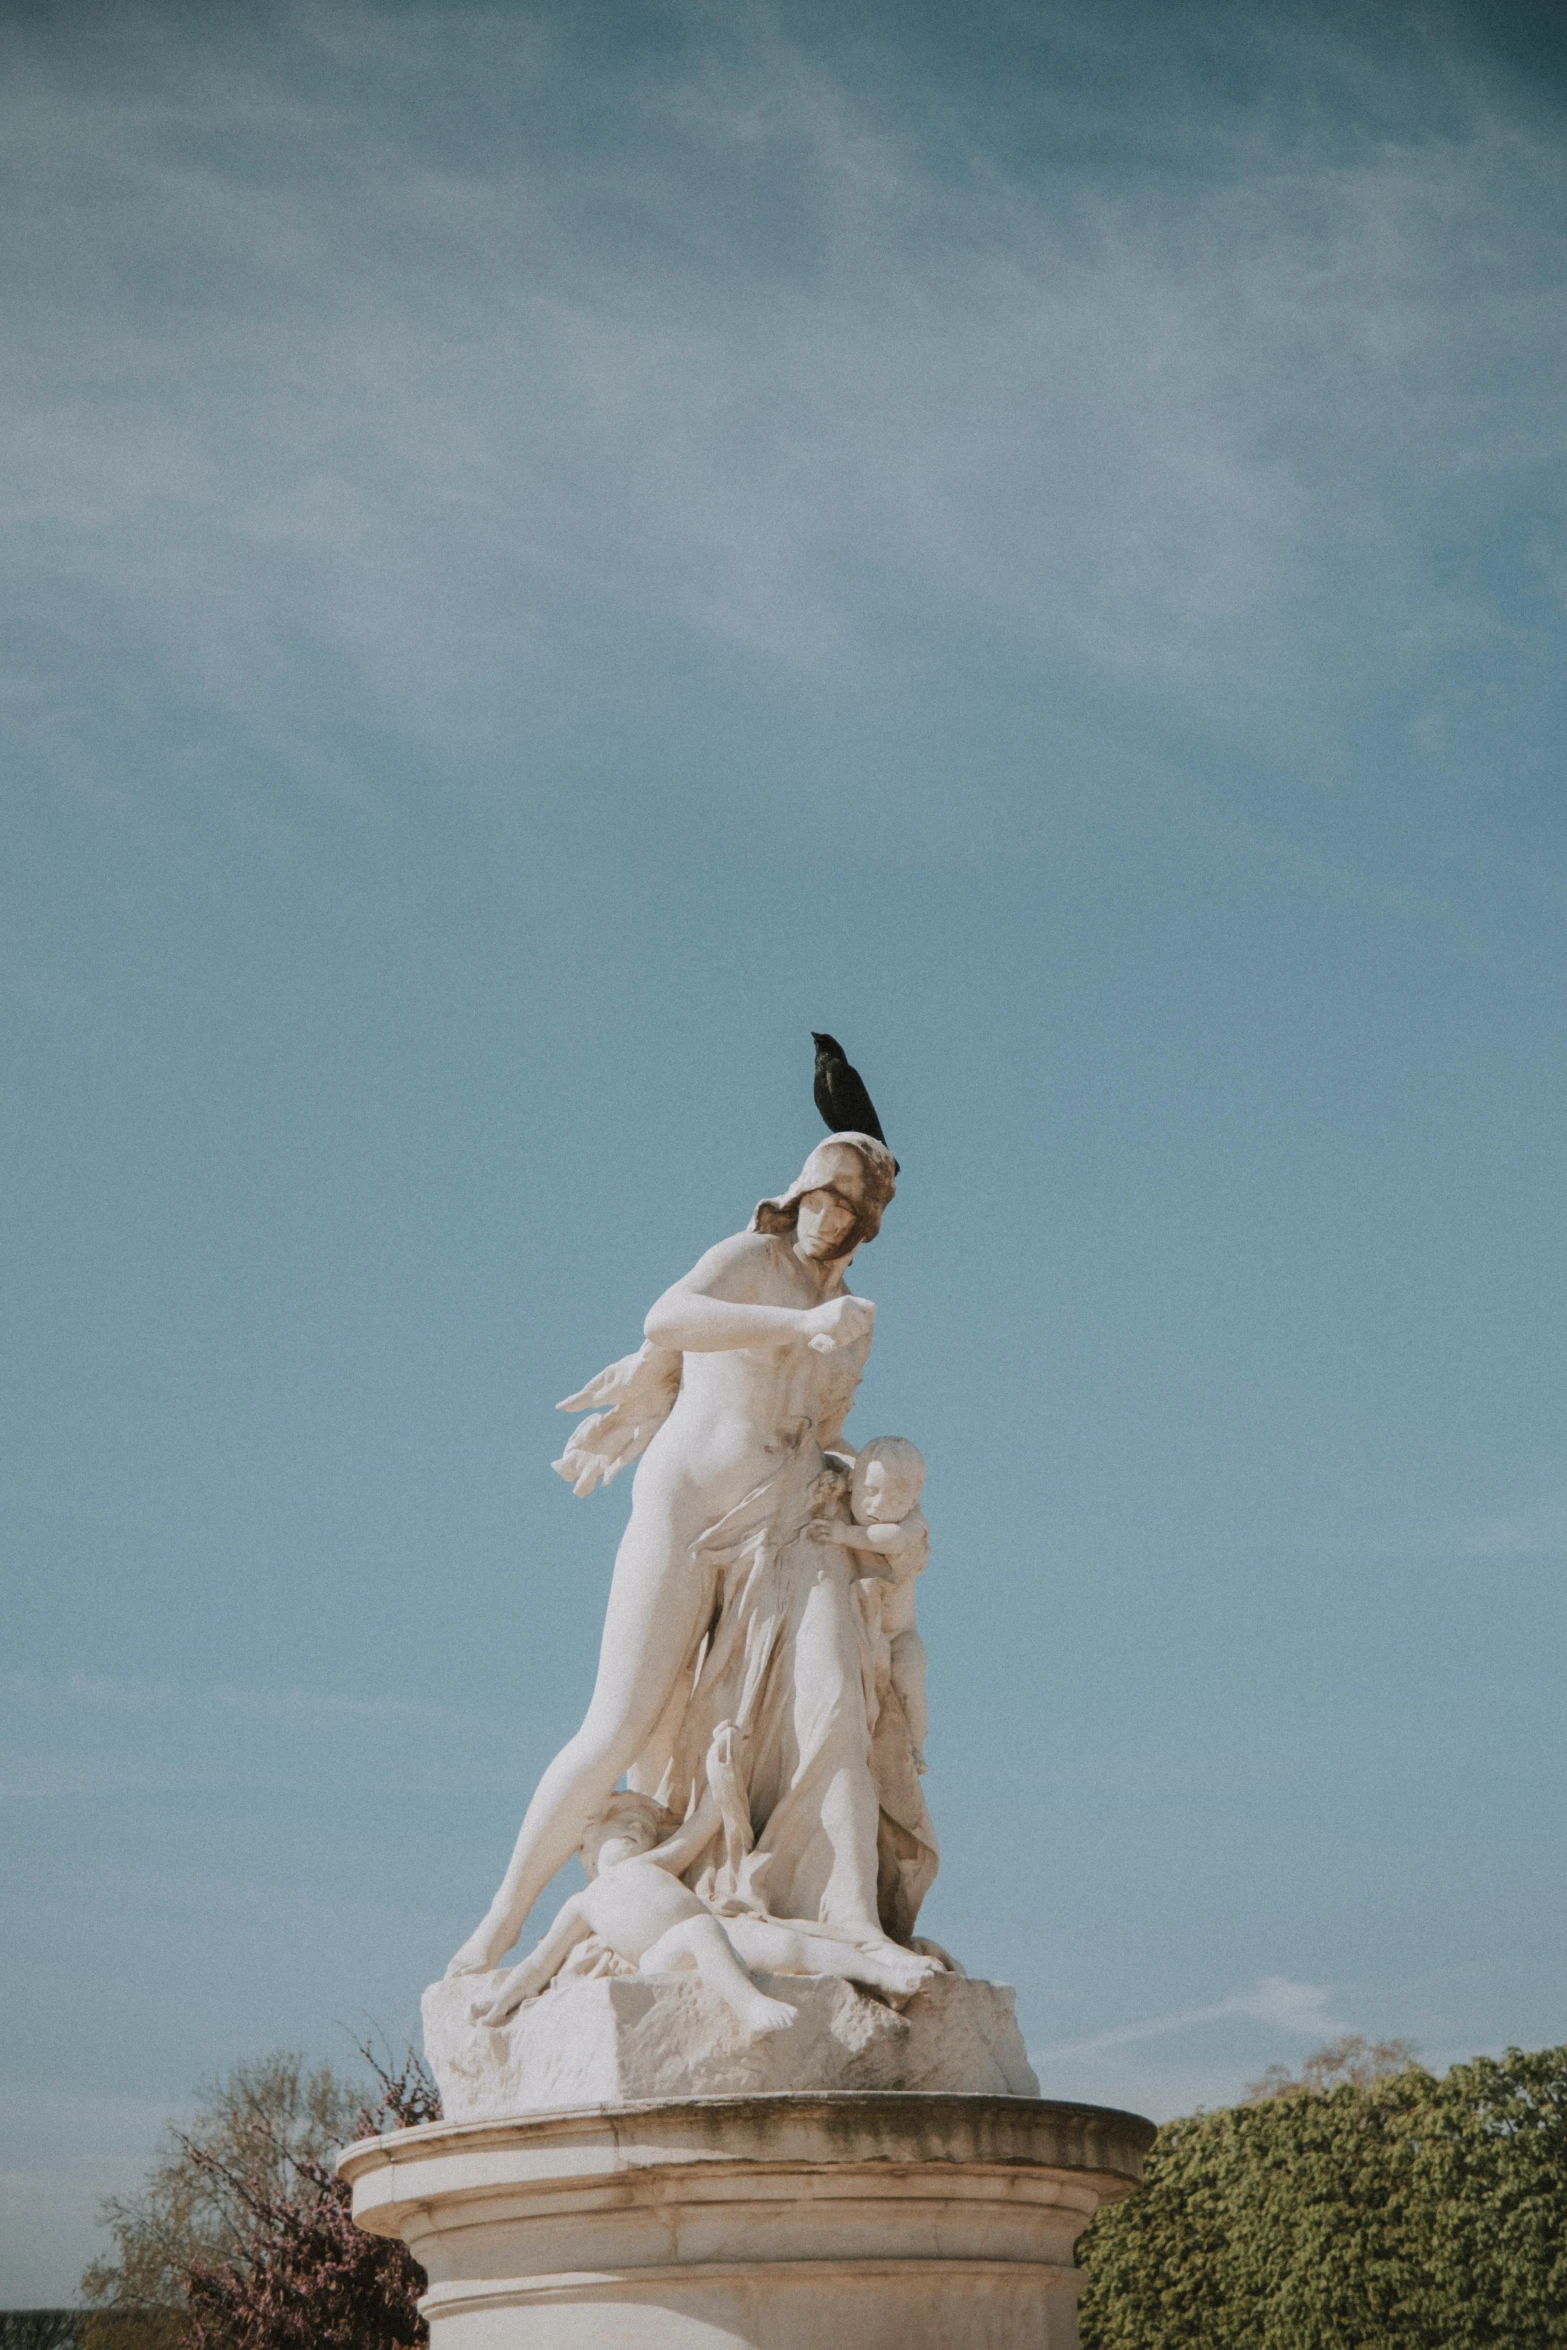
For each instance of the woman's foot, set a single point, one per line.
(491, 1938)
(889, 1968)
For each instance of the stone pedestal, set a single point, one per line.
(623, 2039)
(790, 2221)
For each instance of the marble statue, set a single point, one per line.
(760, 1684)
(731, 2100)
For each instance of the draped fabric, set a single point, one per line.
(784, 1713)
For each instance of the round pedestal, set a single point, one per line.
(894, 2221)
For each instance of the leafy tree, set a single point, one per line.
(1355, 2209)
(1352, 2059)
(248, 2131)
(242, 2238)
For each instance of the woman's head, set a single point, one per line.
(836, 1200)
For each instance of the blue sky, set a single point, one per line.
(551, 550)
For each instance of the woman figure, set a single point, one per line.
(720, 1617)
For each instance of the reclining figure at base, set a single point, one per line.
(646, 1916)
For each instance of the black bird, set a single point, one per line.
(841, 1097)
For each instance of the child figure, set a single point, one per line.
(889, 1528)
(646, 1915)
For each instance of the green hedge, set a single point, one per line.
(91, 2329)
(1410, 2214)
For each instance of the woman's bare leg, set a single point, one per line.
(830, 1722)
(655, 1604)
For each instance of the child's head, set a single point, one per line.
(886, 1481)
(627, 1825)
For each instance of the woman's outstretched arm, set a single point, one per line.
(708, 1312)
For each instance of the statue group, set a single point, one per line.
(761, 1679)
(730, 2100)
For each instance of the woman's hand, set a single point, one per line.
(843, 1321)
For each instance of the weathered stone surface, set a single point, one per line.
(753, 2223)
(624, 2038)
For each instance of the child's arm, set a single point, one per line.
(884, 1542)
(539, 1969)
(677, 1852)
(839, 1530)
(723, 1808)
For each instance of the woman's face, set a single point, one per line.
(825, 1223)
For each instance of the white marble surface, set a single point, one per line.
(753, 2223)
(623, 2038)
(761, 1609)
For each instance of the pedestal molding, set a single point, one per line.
(503, 2292)
(791, 2220)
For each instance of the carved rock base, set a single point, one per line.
(787, 2222)
(622, 2038)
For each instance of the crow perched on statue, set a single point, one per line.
(841, 1097)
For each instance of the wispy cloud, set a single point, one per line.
(1300, 2009)
(756, 347)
